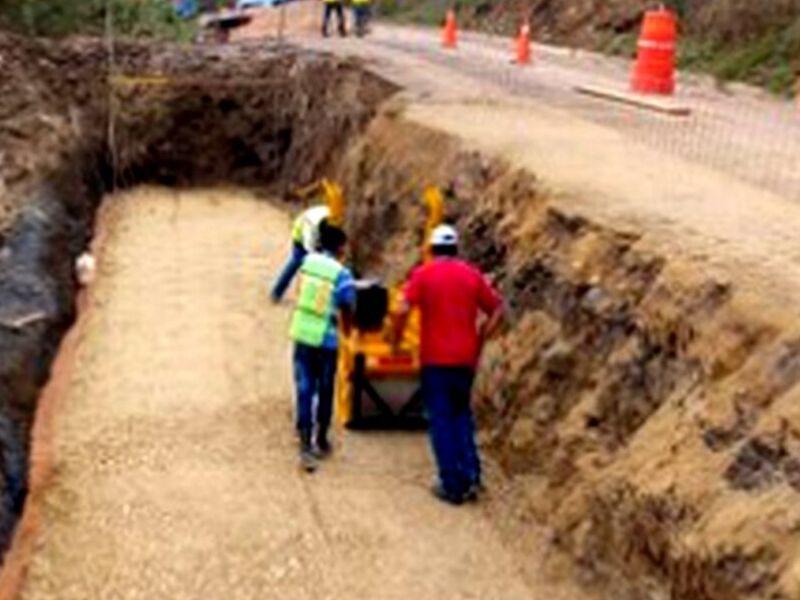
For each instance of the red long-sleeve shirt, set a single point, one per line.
(450, 294)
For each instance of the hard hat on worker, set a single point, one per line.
(444, 235)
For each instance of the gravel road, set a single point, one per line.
(175, 469)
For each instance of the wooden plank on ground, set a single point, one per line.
(659, 104)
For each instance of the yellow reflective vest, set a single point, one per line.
(305, 230)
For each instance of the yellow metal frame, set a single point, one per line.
(334, 198)
(382, 359)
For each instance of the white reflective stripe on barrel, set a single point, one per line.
(657, 45)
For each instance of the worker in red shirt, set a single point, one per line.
(451, 295)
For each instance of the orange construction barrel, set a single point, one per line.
(450, 31)
(654, 70)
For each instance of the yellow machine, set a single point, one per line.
(331, 194)
(378, 386)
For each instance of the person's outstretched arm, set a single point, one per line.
(491, 304)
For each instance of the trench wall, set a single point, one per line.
(260, 116)
(643, 411)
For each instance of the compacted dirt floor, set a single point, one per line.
(175, 473)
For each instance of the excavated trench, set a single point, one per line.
(640, 409)
(267, 118)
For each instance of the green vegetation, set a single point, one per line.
(154, 18)
(421, 13)
(771, 61)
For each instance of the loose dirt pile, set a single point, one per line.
(643, 409)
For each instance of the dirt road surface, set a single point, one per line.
(175, 468)
(719, 189)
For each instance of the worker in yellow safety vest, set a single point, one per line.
(327, 290)
(361, 15)
(332, 7)
(305, 238)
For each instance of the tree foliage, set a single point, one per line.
(65, 17)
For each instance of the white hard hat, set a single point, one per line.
(444, 235)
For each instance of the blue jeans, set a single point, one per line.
(314, 376)
(290, 269)
(361, 14)
(447, 393)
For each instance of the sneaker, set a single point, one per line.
(308, 462)
(475, 491)
(439, 492)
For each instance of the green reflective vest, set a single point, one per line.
(315, 303)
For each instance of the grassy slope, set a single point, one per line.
(65, 17)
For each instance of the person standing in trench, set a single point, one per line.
(451, 294)
(305, 239)
(326, 293)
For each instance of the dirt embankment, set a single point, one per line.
(180, 116)
(643, 410)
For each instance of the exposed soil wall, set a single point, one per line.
(642, 408)
(258, 116)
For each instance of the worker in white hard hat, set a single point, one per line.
(305, 239)
(451, 295)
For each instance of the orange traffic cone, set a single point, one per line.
(524, 45)
(450, 32)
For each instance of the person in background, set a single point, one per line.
(305, 237)
(361, 15)
(185, 9)
(332, 7)
(451, 294)
(327, 291)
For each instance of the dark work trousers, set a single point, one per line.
(447, 393)
(330, 9)
(315, 376)
(361, 14)
(290, 269)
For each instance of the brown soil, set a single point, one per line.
(180, 115)
(175, 460)
(642, 407)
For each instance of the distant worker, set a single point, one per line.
(451, 294)
(185, 9)
(331, 7)
(361, 16)
(327, 291)
(305, 237)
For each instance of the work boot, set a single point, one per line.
(308, 462)
(439, 492)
